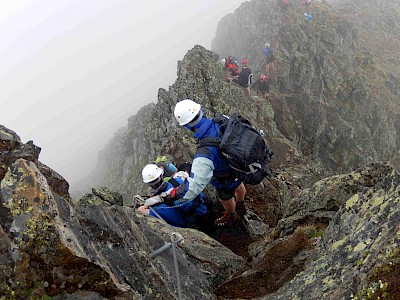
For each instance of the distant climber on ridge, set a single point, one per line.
(245, 77)
(261, 86)
(308, 16)
(269, 56)
(231, 67)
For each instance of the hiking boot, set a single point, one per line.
(241, 209)
(227, 219)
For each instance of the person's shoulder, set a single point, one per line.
(179, 180)
(205, 153)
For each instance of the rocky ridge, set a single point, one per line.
(336, 82)
(53, 247)
(335, 239)
(312, 237)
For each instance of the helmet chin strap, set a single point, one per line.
(189, 127)
(192, 125)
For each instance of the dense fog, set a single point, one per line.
(72, 72)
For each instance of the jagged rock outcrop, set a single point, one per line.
(359, 247)
(313, 260)
(101, 196)
(11, 149)
(319, 203)
(51, 246)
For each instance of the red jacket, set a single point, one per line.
(232, 68)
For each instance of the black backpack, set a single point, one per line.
(244, 148)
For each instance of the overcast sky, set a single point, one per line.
(72, 72)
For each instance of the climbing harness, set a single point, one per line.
(176, 238)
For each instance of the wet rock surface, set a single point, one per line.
(326, 226)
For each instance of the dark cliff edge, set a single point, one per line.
(327, 226)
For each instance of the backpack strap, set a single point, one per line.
(220, 119)
(209, 141)
(202, 150)
(174, 182)
(160, 189)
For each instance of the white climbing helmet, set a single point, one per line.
(267, 45)
(151, 172)
(223, 61)
(186, 111)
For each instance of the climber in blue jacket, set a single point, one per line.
(177, 212)
(209, 165)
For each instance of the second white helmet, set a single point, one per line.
(186, 111)
(151, 172)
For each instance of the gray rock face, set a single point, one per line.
(358, 244)
(11, 149)
(330, 94)
(101, 196)
(50, 247)
(320, 203)
(97, 249)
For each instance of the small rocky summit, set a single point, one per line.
(326, 226)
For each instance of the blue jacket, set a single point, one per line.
(269, 54)
(176, 215)
(209, 166)
(170, 215)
